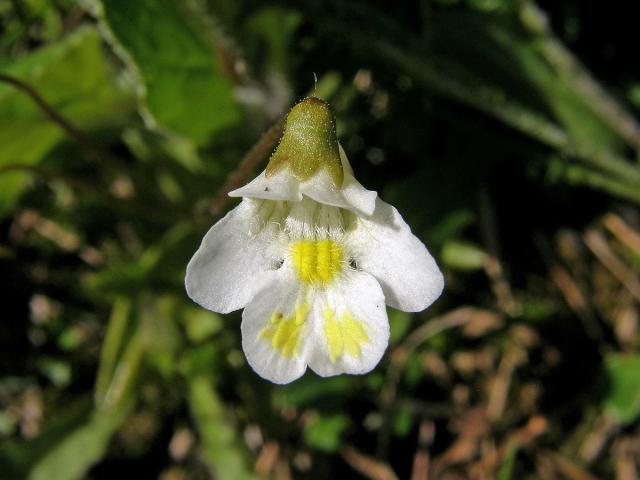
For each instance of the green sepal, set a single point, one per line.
(309, 143)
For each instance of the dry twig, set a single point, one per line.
(473, 427)
(622, 231)
(596, 241)
(566, 467)
(501, 382)
(626, 452)
(366, 465)
(594, 443)
(267, 458)
(421, 460)
(521, 438)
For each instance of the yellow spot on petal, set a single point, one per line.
(316, 261)
(346, 335)
(284, 334)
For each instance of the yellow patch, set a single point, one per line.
(284, 334)
(346, 335)
(316, 261)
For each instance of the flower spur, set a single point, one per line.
(312, 257)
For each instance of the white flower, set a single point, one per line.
(313, 265)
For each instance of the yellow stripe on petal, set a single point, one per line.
(285, 334)
(316, 262)
(346, 335)
(333, 334)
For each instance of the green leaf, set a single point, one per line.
(311, 390)
(112, 345)
(622, 399)
(57, 371)
(399, 323)
(325, 432)
(221, 448)
(78, 451)
(74, 77)
(463, 255)
(160, 332)
(184, 86)
(492, 49)
(402, 423)
(200, 359)
(505, 472)
(199, 323)
(67, 449)
(272, 34)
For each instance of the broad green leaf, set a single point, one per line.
(622, 398)
(78, 451)
(184, 85)
(199, 323)
(74, 77)
(17, 457)
(66, 449)
(311, 390)
(463, 255)
(221, 449)
(325, 432)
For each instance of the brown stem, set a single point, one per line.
(370, 467)
(247, 165)
(50, 111)
(598, 244)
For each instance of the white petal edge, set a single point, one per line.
(281, 293)
(359, 295)
(352, 196)
(228, 267)
(281, 186)
(385, 247)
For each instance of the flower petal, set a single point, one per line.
(275, 327)
(352, 196)
(385, 247)
(281, 186)
(234, 255)
(351, 329)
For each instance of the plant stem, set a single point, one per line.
(586, 176)
(493, 103)
(569, 68)
(111, 347)
(125, 374)
(247, 165)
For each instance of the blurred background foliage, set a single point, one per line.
(505, 133)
